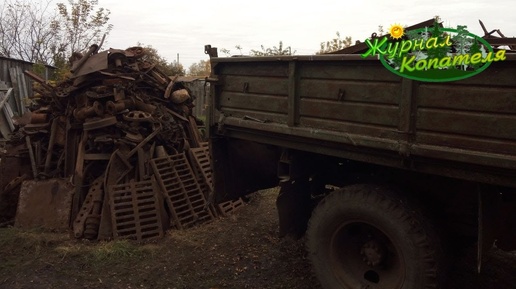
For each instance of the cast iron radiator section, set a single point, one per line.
(184, 197)
(136, 210)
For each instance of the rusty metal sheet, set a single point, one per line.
(46, 204)
(12, 172)
(94, 63)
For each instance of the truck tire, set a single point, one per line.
(362, 236)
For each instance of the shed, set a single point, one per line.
(15, 89)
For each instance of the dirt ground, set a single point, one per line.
(240, 251)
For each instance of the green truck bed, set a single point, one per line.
(354, 108)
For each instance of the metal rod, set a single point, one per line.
(51, 142)
(31, 155)
(83, 60)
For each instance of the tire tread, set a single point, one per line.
(388, 201)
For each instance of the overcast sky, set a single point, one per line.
(184, 27)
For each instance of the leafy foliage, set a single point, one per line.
(335, 44)
(227, 52)
(175, 68)
(202, 68)
(275, 50)
(81, 24)
(28, 31)
(169, 68)
(33, 31)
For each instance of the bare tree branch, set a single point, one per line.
(39, 32)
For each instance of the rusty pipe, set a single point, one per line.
(85, 58)
(113, 107)
(119, 93)
(38, 117)
(89, 111)
(53, 133)
(145, 106)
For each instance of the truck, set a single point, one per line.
(386, 176)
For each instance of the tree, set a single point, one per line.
(175, 68)
(275, 50)
(32, 31)
(82, 24)
(202, 68)
(28, 31)
(335, 44)
(170, 68)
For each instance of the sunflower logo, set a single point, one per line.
(396, 31)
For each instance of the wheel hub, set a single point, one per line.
(373, 253)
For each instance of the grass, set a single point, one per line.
(120, 249)
(31, 241)
(19, 246)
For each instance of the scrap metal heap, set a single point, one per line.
(115, 151)
(494, 37)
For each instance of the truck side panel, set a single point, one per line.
(355, 109)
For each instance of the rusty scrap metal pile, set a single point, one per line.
(119, 142)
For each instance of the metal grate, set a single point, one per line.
(183, 195)
(136, 210)
(227, 208)
(202, 165)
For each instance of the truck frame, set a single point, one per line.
(385, 175)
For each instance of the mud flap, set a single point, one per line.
(486, 220)
(242, 167)
(294, 207)
(496, 222)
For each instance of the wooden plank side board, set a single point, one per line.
(386, 115)
(7, 113)
(464, 142)
(24, 89)
(487, 125)
(347, 127)
(13, 73)
(468, 98)
(254, 68)
(255, 84)
(321, 102)
(4, 97)
(476, 114)
(253, 102)
(254, 115)
(350, 90)
(349, 70)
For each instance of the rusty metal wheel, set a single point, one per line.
(138, 116)
(363, 237)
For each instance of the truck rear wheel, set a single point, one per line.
(363, 237)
